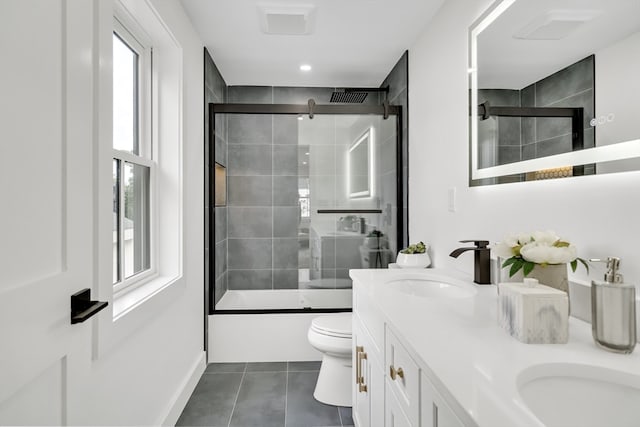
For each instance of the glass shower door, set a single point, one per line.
(306, 201)
(347, 188)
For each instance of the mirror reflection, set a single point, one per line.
(359, 160)
(553, 77)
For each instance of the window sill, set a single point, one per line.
(126, 302)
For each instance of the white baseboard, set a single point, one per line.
(181, 397)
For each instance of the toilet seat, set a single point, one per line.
(338, 325)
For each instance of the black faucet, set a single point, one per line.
(482, 260)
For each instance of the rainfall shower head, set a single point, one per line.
(349, 97)
(354, 95)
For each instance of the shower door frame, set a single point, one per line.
(310, 109)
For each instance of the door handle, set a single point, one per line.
(83, 308)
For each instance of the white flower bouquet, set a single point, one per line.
(525, 251)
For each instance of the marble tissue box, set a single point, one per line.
(534, 313)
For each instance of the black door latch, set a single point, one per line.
(83, 308)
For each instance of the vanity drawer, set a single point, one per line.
(403, 376)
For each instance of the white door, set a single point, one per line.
(46, 214)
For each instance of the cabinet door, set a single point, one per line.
(444, 416)
(368, 393)
(375, 383)
(404, 376)
(394, 415)
(360, 397)
(434, 410)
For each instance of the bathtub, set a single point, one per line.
(246, 327)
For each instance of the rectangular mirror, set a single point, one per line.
(554, 89)
(359, 163)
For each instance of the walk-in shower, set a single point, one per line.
(312, 191)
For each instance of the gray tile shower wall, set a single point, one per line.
(258, 241)
(500, 136)
(398, 83)
(572, 86)
(215, 90)
(265, 163)
(509, 139)
(261, 175)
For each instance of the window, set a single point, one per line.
(140, 184)
(133, 164)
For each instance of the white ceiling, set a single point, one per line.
(509, 63)
(354, 43)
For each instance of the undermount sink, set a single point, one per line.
(432, 288)
(568, 394)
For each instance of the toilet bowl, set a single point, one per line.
(331, 335)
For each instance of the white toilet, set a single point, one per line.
(331, 335)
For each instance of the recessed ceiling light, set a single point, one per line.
(305, 67)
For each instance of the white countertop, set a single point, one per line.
(464, 350)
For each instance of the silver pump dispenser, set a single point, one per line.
(613, 265)
(613, 310)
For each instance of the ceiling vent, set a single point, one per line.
(555, 24)
(287, 20)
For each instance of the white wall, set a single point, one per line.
(598, 213)
(618, 88)
(138, 379)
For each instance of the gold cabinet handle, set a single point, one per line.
(363, 386)
(360, 355)
(363, 356)
(359, 350)
(394, 373)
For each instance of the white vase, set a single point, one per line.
(552, 275)
(413, 260)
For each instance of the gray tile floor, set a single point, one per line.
(278, 394)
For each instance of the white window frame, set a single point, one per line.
(139, 304)
(135, 38)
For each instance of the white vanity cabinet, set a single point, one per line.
(389, 386)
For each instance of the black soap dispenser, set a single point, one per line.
(613, 310)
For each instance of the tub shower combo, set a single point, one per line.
(308, 192)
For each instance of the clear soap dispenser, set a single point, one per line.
(613, 310)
